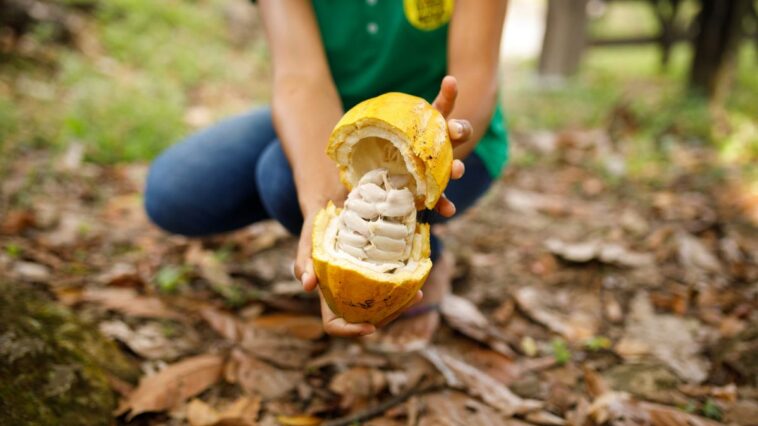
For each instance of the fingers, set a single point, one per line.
(303, 263)
(445, 100)
(445, 207)
(459, 130)
(308, 278)
(340, 327)
(457, 170)
(335, 326)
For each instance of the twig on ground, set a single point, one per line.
(383, 406)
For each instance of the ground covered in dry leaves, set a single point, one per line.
(582, 296)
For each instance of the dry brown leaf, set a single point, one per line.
(528, 202)
(258, 377)
(462, 315)
(279, 349)
(212, 269)
(17, 221)
(149, 340)
(201, 414)
(611, 253)
(298, 420)
(245, 408)
(343, 357)
(459, 374)
(671, 339)
(544, 418)
(128, 302)
(72, 229)
(121, 275)
(453, 408)
(223, 323)
(242, 412)
(30, 271)
(694, 254)
(621, 408)
(576, 326)
(173, 385)
(301, 326)
(357, 383)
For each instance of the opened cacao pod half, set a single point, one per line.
(371, 256)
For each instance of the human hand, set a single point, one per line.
(460, 132)
(303, 270)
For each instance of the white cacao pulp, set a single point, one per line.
(378, 221)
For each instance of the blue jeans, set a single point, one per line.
(235, 173)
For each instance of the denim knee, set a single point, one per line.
(165, 200)
(276, 186)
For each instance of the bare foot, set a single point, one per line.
(414, 330)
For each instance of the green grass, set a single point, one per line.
(125, 95)
(125, 98)
(662, 112)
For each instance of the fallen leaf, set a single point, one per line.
(17, 221)
(462, 315)
(611, 253)
(128, 302)
(30, 271)
(242, 412)
(621, 408)
(72, 228)
(670, 339)
(577, 325)
(300, 326)
(461, 375)
(149, 340)
(201, 414)
(494, 364)
(214, 271)
(258, 377)
(544, 418)
(173, 385)
(694, 254)
(357, 383)
(245, 408)
(528, 202)
(121, 275)
(741, 412)
(223, 323)
(453, 408)
(298, 420)
(649, 381)
(342, 358)
(277, 348)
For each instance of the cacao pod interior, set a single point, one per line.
(371, 147)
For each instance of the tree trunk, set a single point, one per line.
(565, 36)
(719, 33)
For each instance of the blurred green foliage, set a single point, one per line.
(126, 93)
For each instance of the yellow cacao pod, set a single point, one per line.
(371, 257)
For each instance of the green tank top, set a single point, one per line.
(378, 46)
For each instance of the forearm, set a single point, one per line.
(473, 58)
(477, 98)
(305, 110)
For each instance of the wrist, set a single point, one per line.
(310, 204)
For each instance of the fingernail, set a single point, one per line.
(457, 128)
(368, 330)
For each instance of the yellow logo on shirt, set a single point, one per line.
(428, 15)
